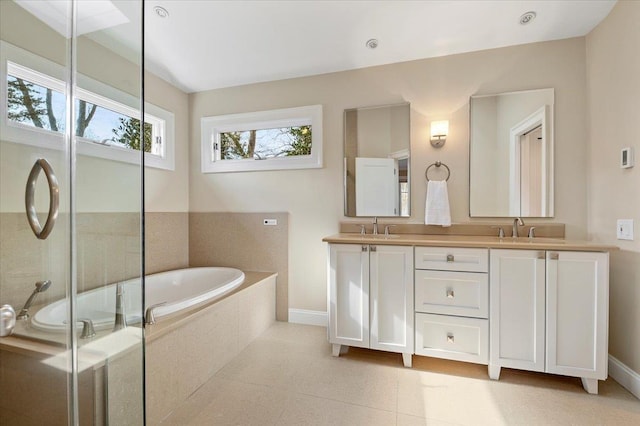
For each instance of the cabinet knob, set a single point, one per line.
(373, 248)
(450, 338)
(450, 294)
(450, 258)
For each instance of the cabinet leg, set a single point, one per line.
(494, 372)
(590, 385)
(406, 359)
(335, 350)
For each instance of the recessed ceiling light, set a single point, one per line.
(372, 43)
(527, 17)
(161, 12)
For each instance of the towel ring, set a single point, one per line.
(437, 164)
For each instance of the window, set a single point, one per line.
(266, 140)
(106, 124)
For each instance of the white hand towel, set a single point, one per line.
(436, 211)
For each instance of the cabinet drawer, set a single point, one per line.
(452, 293)
(452, 259)
(456, 338)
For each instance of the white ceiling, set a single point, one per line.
(212, 44)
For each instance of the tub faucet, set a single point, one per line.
(121, 316)
(87, 328)
(41, 287)
(149, 314)
(517, 221)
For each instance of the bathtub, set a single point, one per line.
(177, 290)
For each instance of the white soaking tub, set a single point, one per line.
(176, 290)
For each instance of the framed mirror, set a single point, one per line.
(377, 153)
(511, 154)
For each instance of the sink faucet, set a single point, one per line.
(375, 226)
(517, 221)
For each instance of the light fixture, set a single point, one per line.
(439, 132)
(372, 43)
(527, 17)
(161, 11)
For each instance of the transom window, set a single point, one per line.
(107, 127)
(267, 140)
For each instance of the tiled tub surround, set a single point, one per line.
(108, 247)
(33, 374)
(166, 241)
(241, 240)
(543, 291)
(185, 350)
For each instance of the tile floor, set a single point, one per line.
(287, 376)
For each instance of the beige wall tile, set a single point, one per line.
(240, 240)
(166, 241)
(257, 308)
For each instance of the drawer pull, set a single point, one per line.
(450, 258)
(450, 294)
(554, 256)
(373, 248)
(365, 248)
(541, 255)
(450, 338)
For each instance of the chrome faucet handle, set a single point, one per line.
(532, 233)
(500, 231)
(87, 328)
(386, 229)
(363, 229)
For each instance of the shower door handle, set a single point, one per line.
(42, 232)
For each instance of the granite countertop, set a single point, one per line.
(469, 241)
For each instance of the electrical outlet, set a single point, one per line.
(624, 229)
(270, 222)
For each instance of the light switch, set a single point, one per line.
(624, 229)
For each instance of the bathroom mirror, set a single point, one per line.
(511, 154)
(376, 161)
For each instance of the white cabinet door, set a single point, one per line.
(349, 294)
(517, 310)
(577, 314)
(391, 283)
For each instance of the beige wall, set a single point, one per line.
(613, 83)
(437, 89)
(165, 190)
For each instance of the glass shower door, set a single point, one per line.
(70, 212)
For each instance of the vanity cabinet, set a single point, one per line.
(371, 298)
(452, 303)
(549, 312)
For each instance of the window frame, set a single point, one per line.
(211, 127)
(43, 72)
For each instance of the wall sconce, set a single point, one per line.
(439, 132)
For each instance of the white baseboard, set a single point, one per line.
(622, 374)
(303, 316)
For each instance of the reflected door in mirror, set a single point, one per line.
(376, 166)
(511, 154)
